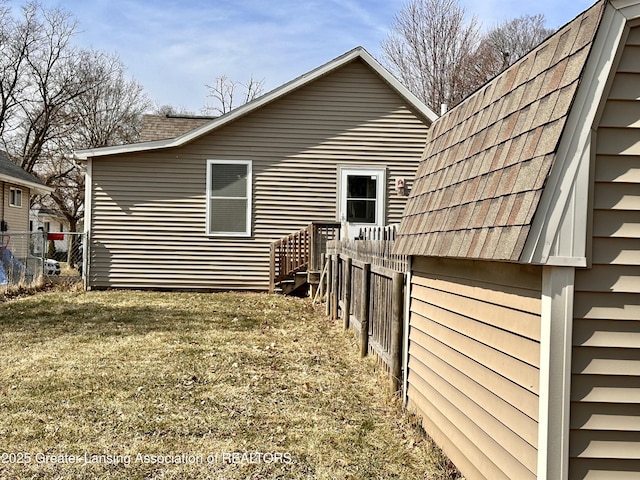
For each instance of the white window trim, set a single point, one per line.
(249, 197)
(13, 192)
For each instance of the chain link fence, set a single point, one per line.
(28, 257)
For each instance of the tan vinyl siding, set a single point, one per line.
(17, 217)
(148, 209)
(605, 430)
(474, 353)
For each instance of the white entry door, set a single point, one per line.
(362, 193)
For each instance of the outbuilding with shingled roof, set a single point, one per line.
(523, 230)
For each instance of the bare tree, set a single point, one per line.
(429, 42)
(108, 113)
(172, 111)
(442, 58)
(55, 97)
(230, 94)
(17, 39)
(54, 72)
(513, 39)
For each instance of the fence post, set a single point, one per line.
(396, 330)
(347, 292)
(272, 268)
(364, 315)
(329, 283)
(335, 292)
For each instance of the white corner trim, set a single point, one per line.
(567, 181)
(88, 194)
(555, 372)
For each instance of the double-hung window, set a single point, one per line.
(229, 197)
(15, 197)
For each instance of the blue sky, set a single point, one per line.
(174, 48)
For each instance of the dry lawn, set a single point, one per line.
(135, 385)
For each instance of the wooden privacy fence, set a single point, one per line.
(366, 290)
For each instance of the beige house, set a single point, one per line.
(523, 226)
(200, 210)
(16, 188)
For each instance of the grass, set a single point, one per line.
(184, 385)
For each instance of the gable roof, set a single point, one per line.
(160, 127)
(487, 160)
(357, 53)
(12, 173)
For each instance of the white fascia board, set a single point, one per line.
(40, 188)
(403, 91)
(629, 8)
(566, 181)
(358, 52)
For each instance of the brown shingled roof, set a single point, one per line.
(485, 164)
(162, 127)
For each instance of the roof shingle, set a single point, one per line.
(484, 166)
(13, 171)
(162, 127)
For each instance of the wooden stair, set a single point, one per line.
(296, 260)
(297, 284)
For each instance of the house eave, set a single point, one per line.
(38, 187)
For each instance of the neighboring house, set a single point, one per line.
(16, 188)
(523, 228)
(200, 211)
(53, 222)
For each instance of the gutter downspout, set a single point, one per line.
(2, 207)
(405, 334)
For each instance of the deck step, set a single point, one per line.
(291, 285)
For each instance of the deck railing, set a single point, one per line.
(300, 251)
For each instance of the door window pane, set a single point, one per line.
(361, 198)
(361, 186)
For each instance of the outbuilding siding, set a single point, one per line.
(148, 209)
(473, 369)
(605, 425)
